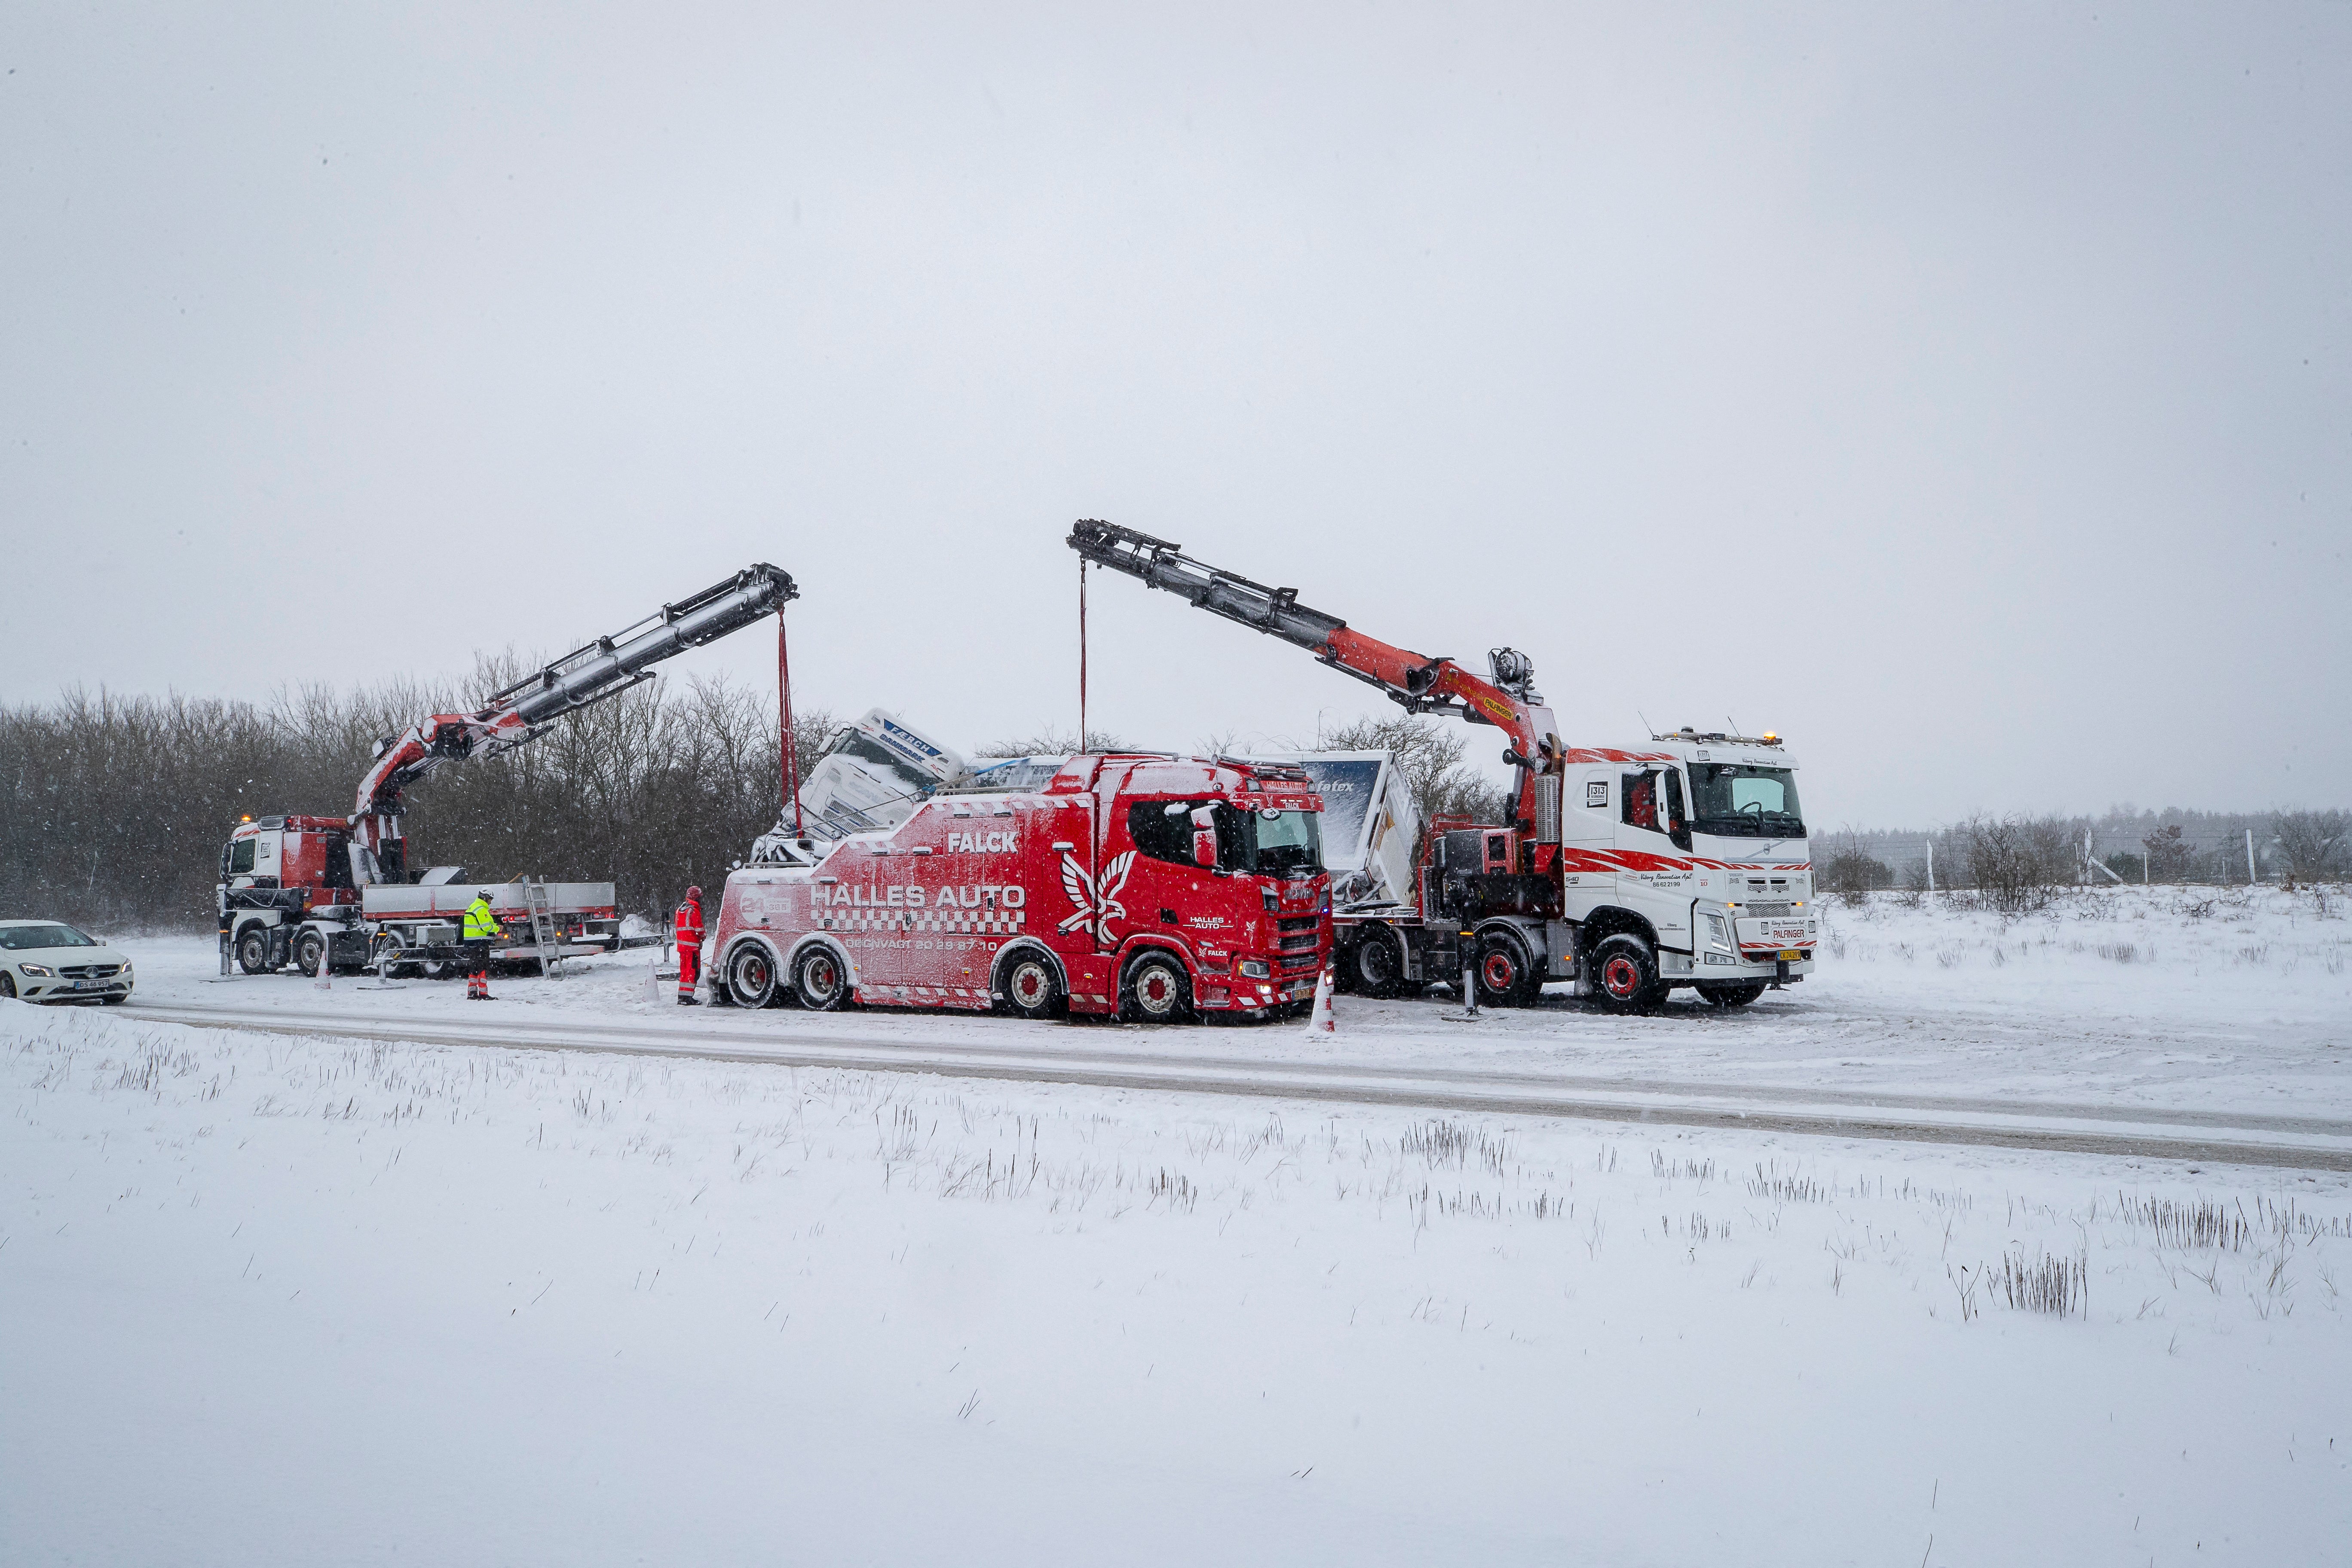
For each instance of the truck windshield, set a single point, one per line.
(1733, 800)
(1274, 843)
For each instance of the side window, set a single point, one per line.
(1677, 820)
(240, 858)
(1162, 830)
(1641, 798)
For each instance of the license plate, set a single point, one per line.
(1791, 954)
(89, 984)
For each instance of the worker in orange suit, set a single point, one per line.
(687, 933)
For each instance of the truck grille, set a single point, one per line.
(1769, 908)
(1303, 942)
(1305, 963)
(1300, 922)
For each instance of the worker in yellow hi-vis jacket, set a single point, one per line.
(481, 927)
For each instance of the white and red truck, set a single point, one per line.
(339, 892)
(1626, 871)
(1150, 887)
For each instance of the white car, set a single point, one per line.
(48, 961)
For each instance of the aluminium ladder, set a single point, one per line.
(542, 927)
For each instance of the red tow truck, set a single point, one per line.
(1149, 887)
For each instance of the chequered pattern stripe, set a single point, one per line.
(1000, 923)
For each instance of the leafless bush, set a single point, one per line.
(2313, 842)
(1851, 871)
(2017, 863)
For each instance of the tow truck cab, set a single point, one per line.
(1696, 845)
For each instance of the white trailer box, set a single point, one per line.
(1369, 823)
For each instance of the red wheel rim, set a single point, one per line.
(1029, 983)
(1620, 975)
(1500, 972)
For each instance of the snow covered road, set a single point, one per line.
(964, 1051)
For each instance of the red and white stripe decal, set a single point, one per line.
(1574, 860)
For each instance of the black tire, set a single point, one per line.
(1731, 994)
(1155, 990)
(1625, 975)
(751, 977)
(820, 983)
(309, 953)
(1506, 977)
(7, 988)
(253, 949)
(1375, 964)
(1031, 987)
(114, 1001)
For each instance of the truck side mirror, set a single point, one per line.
(1205, 837)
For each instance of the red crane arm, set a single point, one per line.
(1413, 680)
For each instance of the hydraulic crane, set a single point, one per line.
(1625, 871)
(296, 887)
(1415, 682)
(519, 714)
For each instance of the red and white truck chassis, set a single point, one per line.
(1625, 872)
(1152, 888)
(340, 891)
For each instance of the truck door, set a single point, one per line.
(1654, 834)
(1587, 832)
(1164, 879)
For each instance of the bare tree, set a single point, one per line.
(1429, 752)
(1049, 742)
(2313, 841)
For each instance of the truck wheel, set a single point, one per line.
(1625, 975)
(309, 953)
(253, 950)
(1732, 995)
(1506, 978)
(752, 976)
(1375, 966)
(818, 980)
(1031, 987)
(1154, 990)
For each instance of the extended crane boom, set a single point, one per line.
(1413, 680)
(580, 678)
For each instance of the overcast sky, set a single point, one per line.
(1962, 390)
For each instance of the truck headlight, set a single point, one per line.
(1254, 968)
(1719, 934)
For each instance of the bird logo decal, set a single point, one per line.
(1097, 907)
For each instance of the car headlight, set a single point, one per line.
(44, 971)
(1254, 968)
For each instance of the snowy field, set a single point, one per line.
(276, 1298)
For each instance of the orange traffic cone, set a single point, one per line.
(1322, 1020)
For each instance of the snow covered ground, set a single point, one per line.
(2214, 1000)
(266, 1297)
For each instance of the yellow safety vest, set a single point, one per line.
(480, 923)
